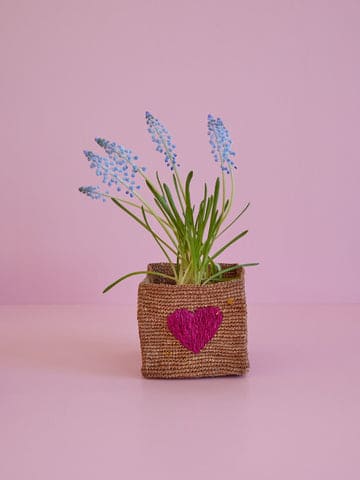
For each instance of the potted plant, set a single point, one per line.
(191, 309)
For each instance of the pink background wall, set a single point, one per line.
(285, 77)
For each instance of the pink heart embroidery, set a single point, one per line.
(195, 329)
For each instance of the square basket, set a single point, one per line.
(163, 355)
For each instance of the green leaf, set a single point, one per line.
(159, 182)
(189, 214)
(235, 219)
(210, 216)
(155, 238)
(214, 211)
(200, 215)
(229, 269)
(208, 209)
(178, 193)
(173, 207)
(188, 181)
(137, 273)
(140, 222)
(153, 190)
(167, 214)
(161, 202)
(235, 239)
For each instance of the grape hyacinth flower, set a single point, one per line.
(91, 191)
(220, 142)
(163, 140)
(117, 170)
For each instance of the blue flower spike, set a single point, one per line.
(91, 191)
(163, 140)
(220, 143)
(117, 170)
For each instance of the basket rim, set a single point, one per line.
(147, 281)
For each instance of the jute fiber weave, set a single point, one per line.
(163, 356)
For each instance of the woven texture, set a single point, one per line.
(163, 356)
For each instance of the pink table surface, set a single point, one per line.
(73, 404)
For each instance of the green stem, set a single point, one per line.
(157, 241)
(223, 192)
(222, 174)
(174, 163)
(135, 205)
(138, 220)
(162, 222)
(179, 181)
(143, 201)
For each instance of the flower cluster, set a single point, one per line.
(220, 142)
(93, 192)
(118, 169)
(163, 140)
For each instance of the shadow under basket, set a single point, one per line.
(191, 331)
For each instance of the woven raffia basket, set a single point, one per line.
(165, 356)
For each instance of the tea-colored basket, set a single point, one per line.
(163, 355)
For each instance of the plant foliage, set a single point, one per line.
(185, 233)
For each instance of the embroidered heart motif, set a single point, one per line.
(195, 329)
